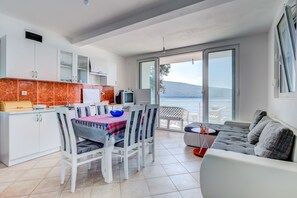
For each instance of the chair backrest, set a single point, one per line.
(67, 136)
(149, 124)
(133, 125)
(101, 108)
(82, 110)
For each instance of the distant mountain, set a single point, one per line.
(177, 89)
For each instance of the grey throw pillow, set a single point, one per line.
(259, 114)
(275, 142)
(254, 134)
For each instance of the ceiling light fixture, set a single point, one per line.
(86, 2)
(164, 50)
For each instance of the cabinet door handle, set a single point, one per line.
(40, 117)
(37, 118)
(33, 74)
(36, 74)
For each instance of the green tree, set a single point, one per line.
(164, 71)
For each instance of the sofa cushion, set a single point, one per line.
(233, 141)
(259, 114)
(254, 134)
(275, 142)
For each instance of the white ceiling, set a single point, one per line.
(71, 19)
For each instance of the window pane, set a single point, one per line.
(221, 86)
(148, 78)
(288, 70)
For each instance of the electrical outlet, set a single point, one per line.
(24, 93)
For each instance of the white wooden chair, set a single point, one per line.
(101, 108)
(148, 130)
(82, 110)
(74, 153)
(131, 144)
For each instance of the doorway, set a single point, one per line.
(193, 87)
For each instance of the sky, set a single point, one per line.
(220, 72)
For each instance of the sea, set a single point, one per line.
(195, 105)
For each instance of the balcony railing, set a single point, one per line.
(176, 117)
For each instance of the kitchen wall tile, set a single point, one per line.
(74, 93)
(48, 93)
(108, 94)
(8, 90)
(57, 103)
(45, 92)
(60, 91)
(30, 87)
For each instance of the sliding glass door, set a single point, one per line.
(202, 84)
(149, 77)
(220, 85)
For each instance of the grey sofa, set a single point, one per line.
(233, 167)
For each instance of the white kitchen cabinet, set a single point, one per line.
(46, 62)
(23, 137)
(27, 135)
(48, 136)
(112, 74)
(103, 72)
(17, 56)
(73, 67)
(27, 59)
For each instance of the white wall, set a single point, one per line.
(16, 28)
(252, 70)
(284, 109)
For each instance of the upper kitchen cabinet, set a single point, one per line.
(103, 72)
(66, 60)
(27, 59)
(73, 68)
(17, 58)
(46, 58)
(82, 69)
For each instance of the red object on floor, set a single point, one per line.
(197, 152)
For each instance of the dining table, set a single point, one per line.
(105, 129)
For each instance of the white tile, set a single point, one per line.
(160, 185)
(192, 193)
(186, 157)
(167, 159)
(174, 169)
(134, 189)
(184, 181)
(80, 192)
(196, 176)
(112, 190)
(169, 195)
(192, 166)
(153, 171)
(21, 188)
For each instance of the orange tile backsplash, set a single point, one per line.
(49, 93)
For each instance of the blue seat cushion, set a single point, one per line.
(119, 144)
(87, 146)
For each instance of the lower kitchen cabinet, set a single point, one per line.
(27, 135)
(49, 137)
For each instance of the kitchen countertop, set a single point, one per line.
(30, 111)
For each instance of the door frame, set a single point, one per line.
(236, 93)
(157, 81)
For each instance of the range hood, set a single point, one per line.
(95, 65)
(98, 73)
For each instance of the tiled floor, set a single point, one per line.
(174, 174)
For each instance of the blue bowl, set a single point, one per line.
(116, 113)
